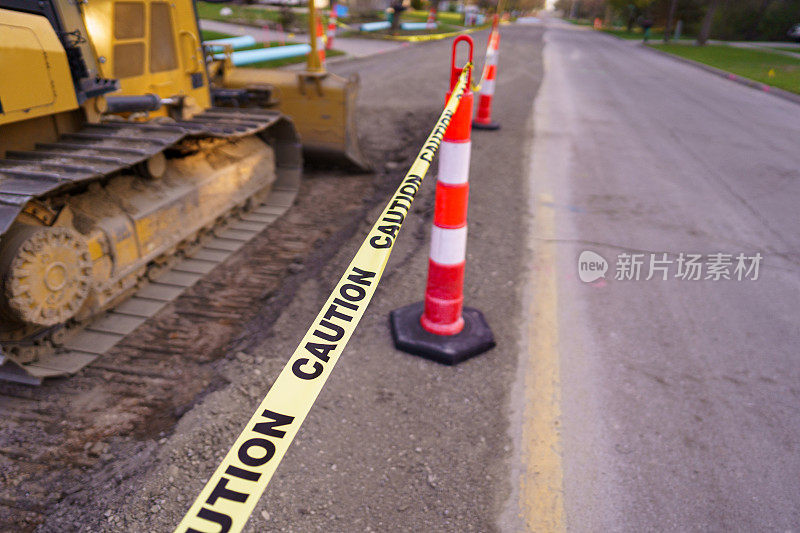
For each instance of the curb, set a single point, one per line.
(769, 89)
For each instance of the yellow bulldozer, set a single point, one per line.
(321, 104)
(116, 156)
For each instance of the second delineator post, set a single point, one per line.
(331, 34)
(483, 121)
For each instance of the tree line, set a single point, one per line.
(746, 20)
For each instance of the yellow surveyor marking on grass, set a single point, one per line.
(229, 497)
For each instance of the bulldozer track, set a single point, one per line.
(100, 150)
(97, 150)
(103, 422)
(89, 341)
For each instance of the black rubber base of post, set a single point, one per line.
(409, 336)
(489, 126)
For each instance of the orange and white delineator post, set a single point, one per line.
(447, 259)
(483, 120)
(440, 328)
(331, 27)
(431, 22)
(321, 43)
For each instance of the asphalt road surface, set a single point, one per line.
(680, 399)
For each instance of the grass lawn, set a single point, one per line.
(636, 33)
(444, 25)
(255, 15)
(208, 35)
(250, 14)
(442, 17)
(746, 62)
(275, 63)
(796, 49)
(580, 22)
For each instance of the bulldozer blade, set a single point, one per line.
(321, 105)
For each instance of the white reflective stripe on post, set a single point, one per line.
(487, 87)
(491, 57)
(454, 162)
(448, 246)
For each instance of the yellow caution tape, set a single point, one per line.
(476, 87)
(229, 497)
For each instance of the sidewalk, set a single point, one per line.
(352, 46)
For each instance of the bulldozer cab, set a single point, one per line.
(151, 47)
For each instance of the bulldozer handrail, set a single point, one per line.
(195, 47)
